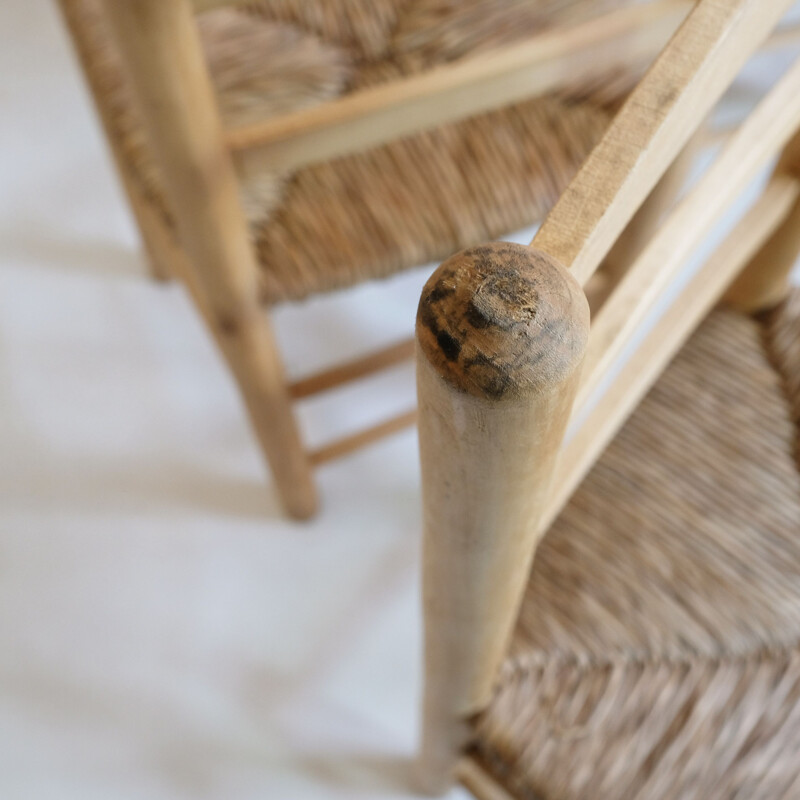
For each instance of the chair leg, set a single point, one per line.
(249, 347)
(161, 251)
(248, 344)
(501, 332)
(160, 45)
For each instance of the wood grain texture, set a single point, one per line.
(655, 123)
(501, 331)
(748, 152)
(498, 321)
(594, 427)
(160, 45)
(656, 655)
(495, 387)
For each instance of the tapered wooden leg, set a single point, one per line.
(161, 251)
(251, 351)
(501, 332)
(247, 342)
(764, 282)
(160, 44)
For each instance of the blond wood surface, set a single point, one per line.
(359, 368)
(159, 42)
(500, 332)
(652, 127)
(158, 245)
(598, 425)
(490, 489)
(765, 280)
(373, 116)
(749, 150)
(349, 444)
(646, 220)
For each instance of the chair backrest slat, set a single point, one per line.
(599, 426)
(764, 133)
(655, 123)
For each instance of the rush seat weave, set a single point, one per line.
(412, 201)
(657, 654)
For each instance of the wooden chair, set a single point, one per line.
(261, 151)
(651, 648)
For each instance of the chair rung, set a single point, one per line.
(348, 444)
(353, 370)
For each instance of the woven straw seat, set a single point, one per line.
(657, 653)
(369, 215)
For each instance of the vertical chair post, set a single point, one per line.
(158, 250)
(501, 332)
(764, 282)
(159, 40)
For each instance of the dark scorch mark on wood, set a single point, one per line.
(503, 318)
